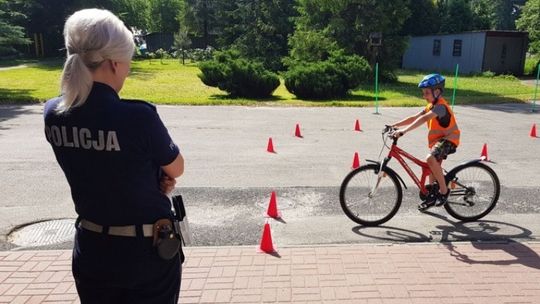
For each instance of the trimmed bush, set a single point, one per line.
(238, 76)
(316, 81)
(331, 78)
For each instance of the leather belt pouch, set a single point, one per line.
(166, 239)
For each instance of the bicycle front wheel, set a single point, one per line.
(474, 192)
(368, 198)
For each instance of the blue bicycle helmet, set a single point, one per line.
(433, 81)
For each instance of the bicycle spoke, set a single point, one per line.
(368, 197)
(457, 192)
(483, 199)
(457, 203)
(476, 193)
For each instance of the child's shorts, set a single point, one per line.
(442, 149)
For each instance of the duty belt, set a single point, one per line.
(130, 231)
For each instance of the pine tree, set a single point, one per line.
(10, 33)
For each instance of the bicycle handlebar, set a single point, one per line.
(390, 131)
(388, 128)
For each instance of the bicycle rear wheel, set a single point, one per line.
(367, 199)
(474, 192)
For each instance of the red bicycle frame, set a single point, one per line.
(398, 154)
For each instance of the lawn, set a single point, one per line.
(171, 83)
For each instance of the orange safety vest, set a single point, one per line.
(437, 132)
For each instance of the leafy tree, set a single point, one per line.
(199, 18)
(133, 12)
(10, 33)
(232, 19)
(47, 17)
(482, 14)
(456, 17)
(494, 14)
(267, 40)
(503, 17)
(530, 21)
(258, 29)
(310, 46)
(424, 18)
(349, 23)
(164, 15)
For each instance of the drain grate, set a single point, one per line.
(43, 233)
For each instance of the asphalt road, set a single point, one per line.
(229, 175)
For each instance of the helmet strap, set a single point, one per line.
(435, 97)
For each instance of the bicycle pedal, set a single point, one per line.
(424, 206)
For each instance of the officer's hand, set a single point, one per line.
(167, 184)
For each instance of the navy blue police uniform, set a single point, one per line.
(111, 152)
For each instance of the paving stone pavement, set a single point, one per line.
(361, 273)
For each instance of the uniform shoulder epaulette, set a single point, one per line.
(138, 101)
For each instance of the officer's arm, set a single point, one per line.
(421, 119)
(175, 168)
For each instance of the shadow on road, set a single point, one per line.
(391, 234)
(10, 112)
(501, 236)
(489, 230)
(479, 230)
(522, 254)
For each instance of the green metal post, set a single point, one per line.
(536, 87)
(377, 88)
(455, 86)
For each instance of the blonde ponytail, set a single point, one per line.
(76, 83)
(91, 37)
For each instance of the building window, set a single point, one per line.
(437, 47)
(457, 48)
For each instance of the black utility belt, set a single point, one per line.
(127, 231)
(165, 233)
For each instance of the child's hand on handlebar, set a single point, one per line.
(397, 134)
(388, 128)
(394, 132)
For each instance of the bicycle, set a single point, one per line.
(371, 194)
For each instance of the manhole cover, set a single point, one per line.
(44, 233)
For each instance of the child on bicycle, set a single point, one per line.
(443, 134)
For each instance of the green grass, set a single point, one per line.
(171, 83)
(531, 62)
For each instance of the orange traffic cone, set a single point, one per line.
(357, 126)
(356, 161)
(297, 131)
(266, 240)
(270, 147)
(272, 207)
(533, 131)
(484, 154)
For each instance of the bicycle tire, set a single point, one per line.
(456, 208)
(393, 196)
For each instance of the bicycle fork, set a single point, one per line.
(380, 176)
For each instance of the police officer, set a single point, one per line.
(120, 163)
